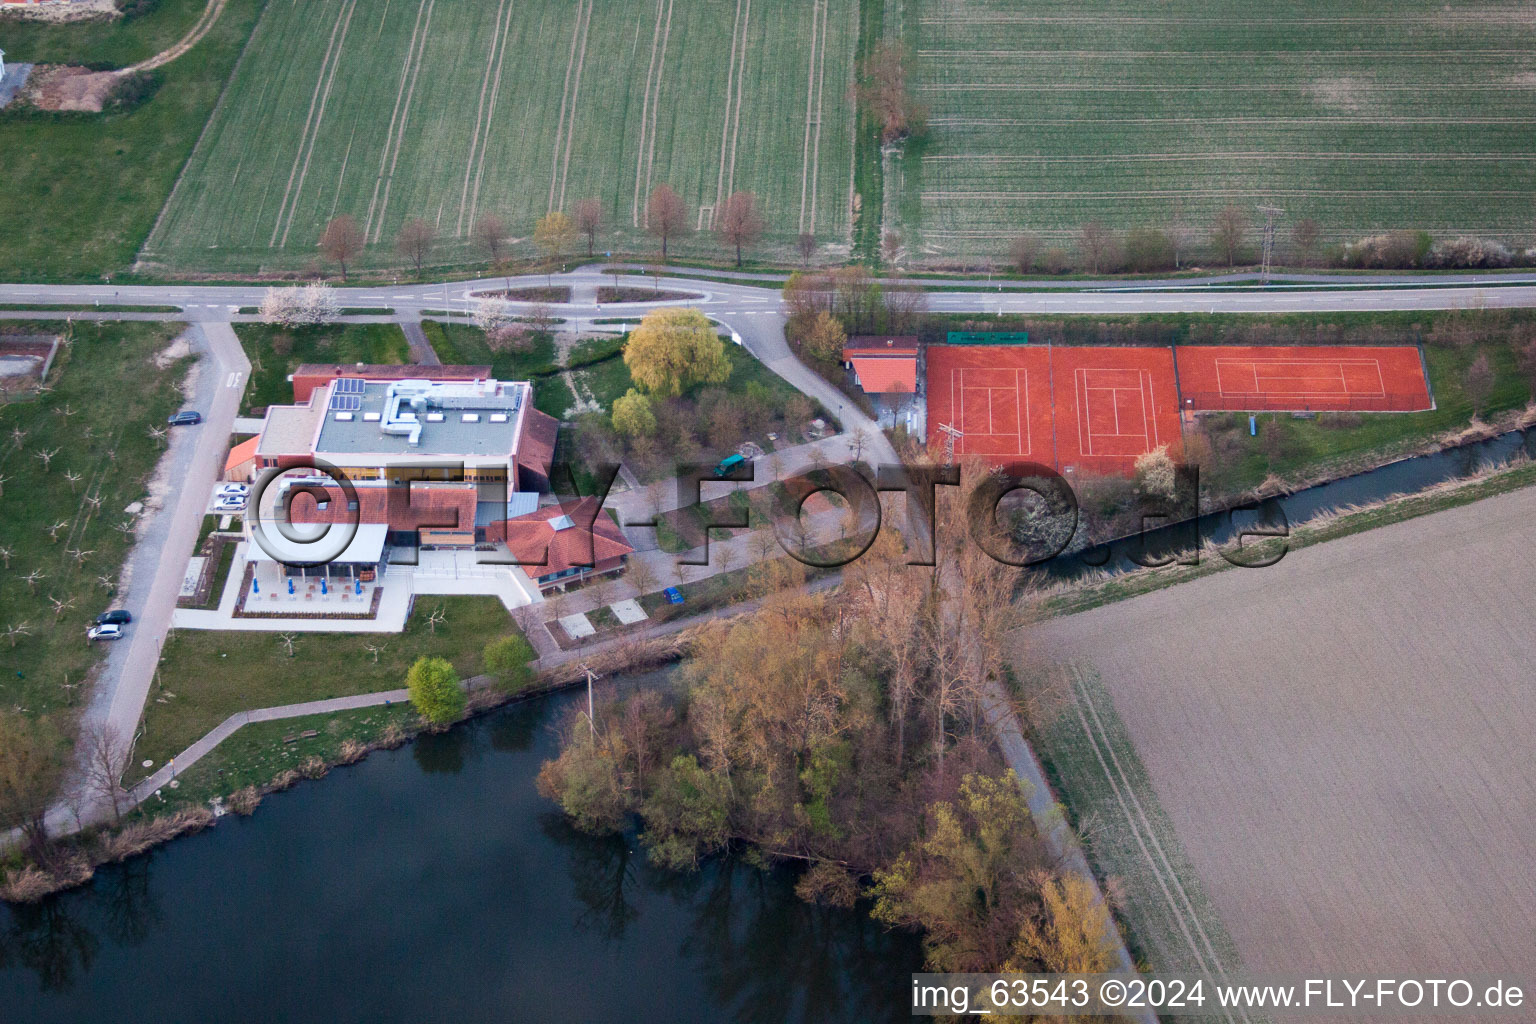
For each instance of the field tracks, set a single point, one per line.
(648, 124)
(735, 82)
(810, 154)
(317, 103)
(373, 227)
(492, 73)
(565, 130)
(1179, 905)
(490, 116)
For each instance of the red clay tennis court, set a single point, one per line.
(1112, 406)
(998, 397)
(1309, 379)
(1109, 405)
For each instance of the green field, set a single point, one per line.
(60, 521)
(82, 191)
(445, 109)
(1359, 114)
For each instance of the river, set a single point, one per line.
(433, 883)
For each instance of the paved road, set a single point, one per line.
(735, 300)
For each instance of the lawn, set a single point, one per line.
(83, 190)
(460, 344)
(1359, 115)
(107, 392)
(256, 753)
(275, 352)
(207, 676)
(447, 109)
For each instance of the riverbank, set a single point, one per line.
(1104, 588)
(202, 782)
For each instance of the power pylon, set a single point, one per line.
(951, 435)
(1271, 215)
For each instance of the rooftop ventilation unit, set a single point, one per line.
(471, 417)
(370, 417)
(434, 417)
(498, 417)
(344, 416)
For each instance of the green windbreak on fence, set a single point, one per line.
(988, 338)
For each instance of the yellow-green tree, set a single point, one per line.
(555, 235)
(826, 337)
(674, 349)
(1070, 933)
(969, 882)
(632, 414)
(434, 689)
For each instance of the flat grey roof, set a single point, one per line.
(357, 434)
(288, 430)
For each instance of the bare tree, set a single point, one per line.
(47, 457)
(738, 223)
(490, 234)
(806, 246)
(1095, 241)
(73, 478)
(342, 241)
(375, 650)
(1304, 237)
(436, 619)
(589, 221)
(104, 755)
(56, 529)
(1478, 383)
(6, 553)
(15, 631)
(33, 578)
(287, 640)
(666, 216)
(890, 246)
(1023, 251)
(1227, 236)
(1180, 233)
(882, 91)
(415, 242)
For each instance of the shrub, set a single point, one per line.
(1395, 250)
(509, 659)
(244, 801)
(1055, 260)
(1155, 472)
(1469, 252)
(1148, 249)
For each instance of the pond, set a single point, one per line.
(434, 883)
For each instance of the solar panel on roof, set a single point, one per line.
(351, 386)
(346, 403)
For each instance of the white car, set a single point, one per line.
(106, 631)
(235, 504)
(232, 491)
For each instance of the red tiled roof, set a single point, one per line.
(880, 345)
(536, 443)
(421, 507)
(529, 537)
(886, 375)
(243, 452)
